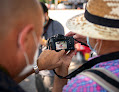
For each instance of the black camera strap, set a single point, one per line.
(81, 43)
(91, 63)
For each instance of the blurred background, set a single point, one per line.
(65, 4)
(62, 10)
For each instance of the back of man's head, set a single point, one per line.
(17, 13)
(18, 20)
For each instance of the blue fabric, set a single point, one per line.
(82, 83)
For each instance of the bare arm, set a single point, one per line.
(20, 78)
(47, 61)
(59, 83)
(62, 70)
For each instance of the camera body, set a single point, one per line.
(60, 42)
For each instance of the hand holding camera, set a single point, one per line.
(77, 37)
(60, 42)
(47, 60)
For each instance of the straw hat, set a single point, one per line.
(100, 20)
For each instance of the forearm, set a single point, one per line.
(20, 78)
(59, 83)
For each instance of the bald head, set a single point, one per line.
(19, 19)
(15, 14)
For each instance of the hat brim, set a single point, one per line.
(80, 25)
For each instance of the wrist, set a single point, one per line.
(36, 69)
(40, 64)
(62, 71)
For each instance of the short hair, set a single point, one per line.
(45, 9)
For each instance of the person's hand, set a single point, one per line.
(77, 37)
(63, 71)
(50, 59)
(66, 60)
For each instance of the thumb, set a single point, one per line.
(72, 53)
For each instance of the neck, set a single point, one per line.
(7, 57)
(109, 47)
(106, 51)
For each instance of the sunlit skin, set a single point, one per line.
(16, 33)
(106, 47)
(19, 19)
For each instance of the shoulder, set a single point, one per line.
(56, 23)
(57, 27)
(6, 83)
(112, 66)
(82, 83)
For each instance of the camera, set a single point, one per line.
(60, 42)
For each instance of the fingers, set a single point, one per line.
(72, 53)
(70, 34)
(49, 59)
(61, 53)
(77, 36)
(80, 38)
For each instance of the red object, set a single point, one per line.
(82, 48)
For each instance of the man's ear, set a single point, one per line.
(22, 39)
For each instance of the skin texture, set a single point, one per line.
(63, 71)
(77, 37)
(19, 19)
(105, 48)
(16, 33)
